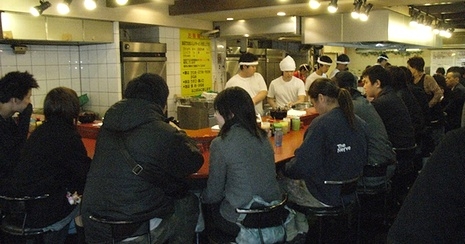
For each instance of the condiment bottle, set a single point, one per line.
(278, 134)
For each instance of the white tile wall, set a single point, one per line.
(170, 36)
(94, 70)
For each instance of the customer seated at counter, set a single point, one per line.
(54, 161)
(241, 163)
(287, 89)
(15, 97)
(379, 147)
(334, 146)
(139, 169)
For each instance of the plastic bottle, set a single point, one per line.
(278, 134)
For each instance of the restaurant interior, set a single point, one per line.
(85, 50)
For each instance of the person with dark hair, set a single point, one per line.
(140, 168)
(455, 100)
(322, 66)
(53, 161)
(427, 83)
(251, 81)
(440, 71)
(334, 146)
(399, 84)
(434, 210)
(241, 161)
(424, 140)
(460, 70)
(15, 97)
(379, 147)
(391, 108)
(382, 60)
(286, 90)
(342, 61)
(302, 72)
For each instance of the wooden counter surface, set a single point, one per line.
(291, 141)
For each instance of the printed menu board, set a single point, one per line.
(446, 59)
(196, 63)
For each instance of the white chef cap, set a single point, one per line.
(287, 64)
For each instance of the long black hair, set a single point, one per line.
(236, 107)
(326, 87)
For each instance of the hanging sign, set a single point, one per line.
(196, 63)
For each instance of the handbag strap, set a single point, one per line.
(136, 168)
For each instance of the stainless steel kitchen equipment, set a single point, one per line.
(232, 60)
(142, 57)
(268, 62)
(196, 113)
(273, 58)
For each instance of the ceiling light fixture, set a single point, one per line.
(332, 7)
(314, 4)
(414, 20)
(121, 2)
(37, 10)
(281, 14)
(421, 21)
(63, 8)
(428, 23)
(90, 4)
(357, 6)
(366, 12)
(437, 27)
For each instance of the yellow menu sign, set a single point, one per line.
(196, 63)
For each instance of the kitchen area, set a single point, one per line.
(98, 66)
(196, 51)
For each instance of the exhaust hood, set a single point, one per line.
(384, 30)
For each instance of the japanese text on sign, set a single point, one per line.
(196, 63)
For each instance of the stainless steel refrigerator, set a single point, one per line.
(142, 57)
(268, 62)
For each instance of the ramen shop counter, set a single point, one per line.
(203, 137)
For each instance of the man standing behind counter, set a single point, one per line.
(249, 80)
(287, 89)
(15, 96)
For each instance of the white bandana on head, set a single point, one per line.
(321, 62)
(249, 63)
(385, 58)
(342, 62)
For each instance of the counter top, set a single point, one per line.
(291, 141)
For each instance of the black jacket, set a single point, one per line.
(53, 161)
(112, 190)
(396, 118)
(453, 107)
(13, 136)
(434, 210)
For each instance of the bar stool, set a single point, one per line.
(259, 217)
(405, 173)
(369, 192)
(15, 211)
(122, 229)
(346, 208)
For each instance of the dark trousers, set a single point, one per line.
(214, 220)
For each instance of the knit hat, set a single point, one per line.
(343, 59)
(287, 64)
